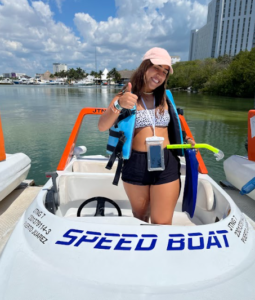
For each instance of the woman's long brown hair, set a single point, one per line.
(138, 81)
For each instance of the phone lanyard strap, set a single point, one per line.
(152, 123)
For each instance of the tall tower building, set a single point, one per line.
(57, 67)
(230, 28)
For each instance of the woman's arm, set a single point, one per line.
(108, 118)
(126, 100)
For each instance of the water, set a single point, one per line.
(38, 120)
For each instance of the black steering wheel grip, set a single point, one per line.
(100, 206)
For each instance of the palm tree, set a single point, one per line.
(80, 73)
(100, 74)
(114, 74)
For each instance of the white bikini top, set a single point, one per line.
(143, 120)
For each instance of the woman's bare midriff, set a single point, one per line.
(141, 134)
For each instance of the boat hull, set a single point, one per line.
(13, 171)
(239, 170)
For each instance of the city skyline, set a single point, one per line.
(35, 34)
(230, 28)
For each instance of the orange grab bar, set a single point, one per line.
(68, 152)
(251, 139)
(185, 127)
(2, 149)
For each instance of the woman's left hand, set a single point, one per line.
(191, 142)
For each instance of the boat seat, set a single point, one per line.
(93, 166)
(81, 186)
(205, 195)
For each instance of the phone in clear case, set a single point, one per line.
(155, 153)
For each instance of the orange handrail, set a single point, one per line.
(68, 152)
(185, 127)
(251, 138)
(2, 149)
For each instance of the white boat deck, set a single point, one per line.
(12, 208)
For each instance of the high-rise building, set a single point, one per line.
(57, 67)
(230, 28)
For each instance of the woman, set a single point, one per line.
(151, 193)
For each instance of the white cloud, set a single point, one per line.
(43, 11)
(32, 40)
(141, 24)
(59, 4)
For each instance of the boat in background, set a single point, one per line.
(52, 82)
(22, 81)
(41, 82)
(83, 82)
(240, 170)
(14, 168)
(6, 81)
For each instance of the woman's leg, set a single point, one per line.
(163, 198)
(139, 197)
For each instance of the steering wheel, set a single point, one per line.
(100, 206)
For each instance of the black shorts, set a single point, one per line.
(135, 170)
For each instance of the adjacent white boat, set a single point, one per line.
(53, 253)
(13, 171)
(13, 168)
(239, 170)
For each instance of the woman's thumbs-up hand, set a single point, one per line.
(128, 100)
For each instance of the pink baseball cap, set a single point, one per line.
(159, 56)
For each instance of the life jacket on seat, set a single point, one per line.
(120, 140)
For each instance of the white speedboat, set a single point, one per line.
(79, 239)
(240, 170)
(13, 170)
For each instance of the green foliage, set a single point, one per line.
(114, 74)
(72, 74)
(79, 74)
(99, 74)
(93, 73)
(238, 79)
(226, 75)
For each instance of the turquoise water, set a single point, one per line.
(38, 120)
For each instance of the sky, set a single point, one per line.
(93, 34)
